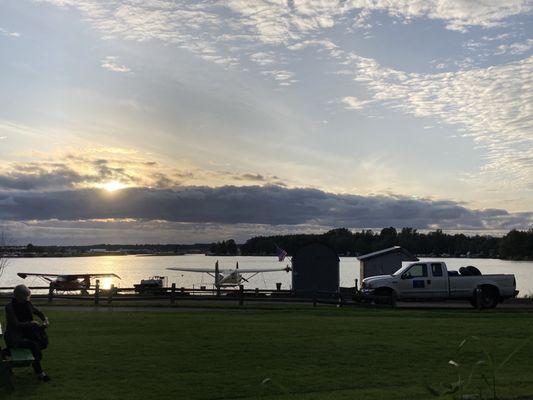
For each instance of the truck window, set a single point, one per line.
(416, 271)
(436, 269)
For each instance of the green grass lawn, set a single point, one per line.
(308, 354)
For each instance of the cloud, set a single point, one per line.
(515, 48)
(267, 205)
(457, 14)
(94, 167)
(264, 58)
(275, 23)
(214, 31)
(353, 103)
(491, 105)
(10, 34)
(284, 77)
(32, 177)
(325, 44)
(111, 64)
(127, 231)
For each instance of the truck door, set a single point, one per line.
(414, 282)
(438, 282)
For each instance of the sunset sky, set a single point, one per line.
(179, 122)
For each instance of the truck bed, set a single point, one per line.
(464, 286)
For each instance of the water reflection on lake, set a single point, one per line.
(134, 268)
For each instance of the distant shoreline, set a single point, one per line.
(225, 255)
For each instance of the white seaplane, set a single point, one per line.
(230, 277)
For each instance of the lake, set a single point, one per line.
(134, 268)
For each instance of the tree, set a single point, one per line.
(4, 261)
(227, 248)
(388, 237)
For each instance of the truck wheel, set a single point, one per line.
(384, 296)
(489, 298)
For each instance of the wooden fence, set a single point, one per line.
(172, 294)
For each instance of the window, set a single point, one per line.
(436, 269)
(416, 271)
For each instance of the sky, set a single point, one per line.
(158, 121)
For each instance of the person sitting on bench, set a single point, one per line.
(22, 331)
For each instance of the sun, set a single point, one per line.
(112, 186)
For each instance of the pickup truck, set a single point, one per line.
(431, 280)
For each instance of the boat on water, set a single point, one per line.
(151, 285)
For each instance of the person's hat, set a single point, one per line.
(21, 292)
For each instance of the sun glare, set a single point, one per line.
(113, 186)
(105, 283)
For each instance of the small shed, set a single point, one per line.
(384, 262)
(315, 267)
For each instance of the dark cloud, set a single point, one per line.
(49, 176)
(106, 172)
(34, 176)
(252, 177)
(81, 171)
(258, 178)
(270, 205)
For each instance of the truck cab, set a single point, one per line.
(423, 280)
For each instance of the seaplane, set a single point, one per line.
(230, 277)
(68, 283)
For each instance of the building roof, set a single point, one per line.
(395, 249)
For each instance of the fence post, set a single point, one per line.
(314, 298)
(97, 293)
(111, 292)
(50, 294)
(241, 295)
(173, 294)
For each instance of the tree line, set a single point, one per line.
(515, 245)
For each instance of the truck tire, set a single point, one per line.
(489, 298)
(385, 296)
(473, 270)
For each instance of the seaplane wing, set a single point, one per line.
(240, 270)
(95, 275)
(258, 270)
(24, 275)
(205, 270)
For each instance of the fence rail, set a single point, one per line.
(172, 294)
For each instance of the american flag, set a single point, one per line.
(280, 253)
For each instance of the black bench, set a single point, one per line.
(12, 358)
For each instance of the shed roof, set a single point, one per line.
(395, 249)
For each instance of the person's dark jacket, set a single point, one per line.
(19, 317)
